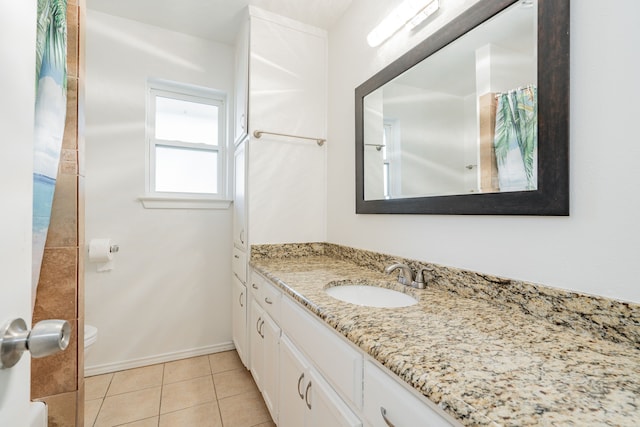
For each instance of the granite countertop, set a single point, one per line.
(483, 363)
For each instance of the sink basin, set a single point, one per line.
(371, 296)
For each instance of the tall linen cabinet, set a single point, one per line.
(279, 181)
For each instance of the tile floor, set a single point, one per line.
(206, 391)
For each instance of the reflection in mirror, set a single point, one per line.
(462, 121)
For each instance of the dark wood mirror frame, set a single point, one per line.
(552, 196)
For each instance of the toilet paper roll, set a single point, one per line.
(100, 251)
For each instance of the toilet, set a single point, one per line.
(90, 337)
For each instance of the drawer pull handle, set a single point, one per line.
(300, 382)
(254, 286)
(260, 331)
(384, 417)
(306, 395)
(258, 326)
(236, 256)
(268, 301)
(240, 299)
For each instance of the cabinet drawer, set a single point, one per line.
(239, 264)
(340, 364)
(382, 393)
(268, 296)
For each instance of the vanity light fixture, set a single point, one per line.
(409, 12)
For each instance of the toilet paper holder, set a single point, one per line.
(46, 338)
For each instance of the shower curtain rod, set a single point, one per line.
(259, 133)
(529, 86)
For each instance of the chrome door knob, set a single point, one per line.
(47, 337)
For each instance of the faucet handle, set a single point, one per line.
(420, 282)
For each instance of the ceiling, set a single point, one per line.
(218, 20)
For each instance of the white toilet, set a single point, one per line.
(90, 337)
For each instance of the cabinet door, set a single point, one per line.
(241, 82)
(270, 376)
(239, 318)
(256, 351)
(239, 189)
(293, 380)
(326, 407)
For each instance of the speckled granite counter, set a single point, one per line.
(489, 351)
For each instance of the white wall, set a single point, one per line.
(595, 250)
(169, 293)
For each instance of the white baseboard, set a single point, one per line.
(152, 360)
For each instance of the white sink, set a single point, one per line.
(371, 296)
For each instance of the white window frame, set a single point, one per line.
(182, 200)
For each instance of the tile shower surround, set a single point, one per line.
(489, 351)
(58, 380)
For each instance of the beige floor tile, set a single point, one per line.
(91, 408)
(136, 379)
(244, 410)
(129, 407)
(186, 369)
(225, 361)
(231, 383)
(267, 424)
(207, 415)
(147, 422)
(185, 394)
(96, 387)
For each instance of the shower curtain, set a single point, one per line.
(516, 139)
(50, 112)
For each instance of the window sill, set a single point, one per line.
(157, 202)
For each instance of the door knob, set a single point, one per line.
(46, 338)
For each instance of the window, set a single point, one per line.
(186, 142)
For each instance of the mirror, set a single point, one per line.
(473, 120)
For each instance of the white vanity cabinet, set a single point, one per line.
(265, 340)
(239, 317)
(307, 399)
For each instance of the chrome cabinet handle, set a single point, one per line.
(254, 286)
(300, 382)
(260, 331)
(240, 300)
(384, 417)
(306, 395)
(258, 326)
(268, 301)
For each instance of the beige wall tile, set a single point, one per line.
(207, 415)
(231, 383)
(56, 374)
(70, 136)
(184, 394)
(136, 379)
(56, 296)
(186, 369)
(72, 40)
(63, 228)
(225, 361)
(129, 407)
(61, 409)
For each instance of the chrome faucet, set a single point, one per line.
(406, 275)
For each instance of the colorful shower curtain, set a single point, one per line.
(516, 139)
(50, 112)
